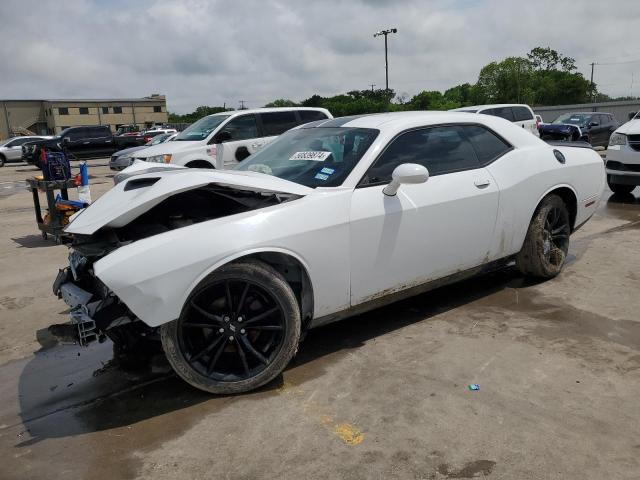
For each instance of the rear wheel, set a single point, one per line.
(547, 242)
(2, 160)
(620, 187)
(199, 164)
(238, 330)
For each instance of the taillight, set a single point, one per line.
(146, 139)
(537, 124)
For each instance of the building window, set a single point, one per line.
(105, 109)
(84, 110)
(117, 109)
(157, 109)
(63, 111)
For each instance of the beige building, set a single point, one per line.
(44, 117)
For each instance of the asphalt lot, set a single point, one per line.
(382, 395)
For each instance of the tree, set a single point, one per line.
(197, 114)
(282, 102)
(548, 59)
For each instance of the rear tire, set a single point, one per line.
(199, 164)
(547, 242)
(2, 160)
(620, 188)
(238, 330)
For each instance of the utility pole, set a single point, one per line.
(241, 104)
(593, 92)
(386, 59)
(372, 85)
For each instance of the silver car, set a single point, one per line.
(123, 158)
(11, 149)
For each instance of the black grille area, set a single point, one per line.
(634, 142)
(623, 167)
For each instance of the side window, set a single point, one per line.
(488, 145)
(521, 113)
(504, 112)
(276, 123)
(440, 149)
(242, 128)
(77, 133)
(311, 116)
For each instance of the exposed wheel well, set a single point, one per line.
(570, 200)
(296, 276)
(199, 164)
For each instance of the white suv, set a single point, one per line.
(519, 114)
(223, 139)
(623, 157)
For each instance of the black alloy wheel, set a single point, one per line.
(546, 244)
(237, 331)
(555, 243)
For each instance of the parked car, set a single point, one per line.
(519, 114)
(83, 142)
(127, 129)
(623, 157)
(11, 148)
(223, 139)
(592, 127)
(123, 158)
(331, 219)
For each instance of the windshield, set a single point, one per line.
(314, 157)
(573, 118)
(159, 139)
(201, 129)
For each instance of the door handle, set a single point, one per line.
(482, 183)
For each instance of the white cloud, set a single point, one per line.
(209, 52)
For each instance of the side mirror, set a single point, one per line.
(66, 140)
(406, 173)
(593, 124)
(221, 137)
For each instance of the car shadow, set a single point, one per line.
(623, 198)
(65, 390)
(34, 241)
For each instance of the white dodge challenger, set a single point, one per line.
(226, 269)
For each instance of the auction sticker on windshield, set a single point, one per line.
(313, 156)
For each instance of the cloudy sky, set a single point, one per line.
(201, 52)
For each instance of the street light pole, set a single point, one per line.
(386, 58)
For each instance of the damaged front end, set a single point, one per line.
(97, 313)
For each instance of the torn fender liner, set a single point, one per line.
(122, 203)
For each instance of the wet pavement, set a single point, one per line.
(381, 395)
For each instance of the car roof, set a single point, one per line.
(494, 105)
(399, 119)
(268, 110)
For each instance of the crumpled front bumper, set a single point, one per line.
(82, 328)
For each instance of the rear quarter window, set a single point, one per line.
(487, 145)
(307, 116)
(522, 113)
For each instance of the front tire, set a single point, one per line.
(619, 187)
(547, 242)
(237, 331)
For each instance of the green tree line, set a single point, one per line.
(543, 77)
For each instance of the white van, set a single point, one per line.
(223, 139)
(519, 114)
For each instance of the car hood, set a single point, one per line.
(169, 147)
(131, 198)
(632, 127)
(557, 127)
(126, 151)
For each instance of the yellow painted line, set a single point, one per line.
(349, 434)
